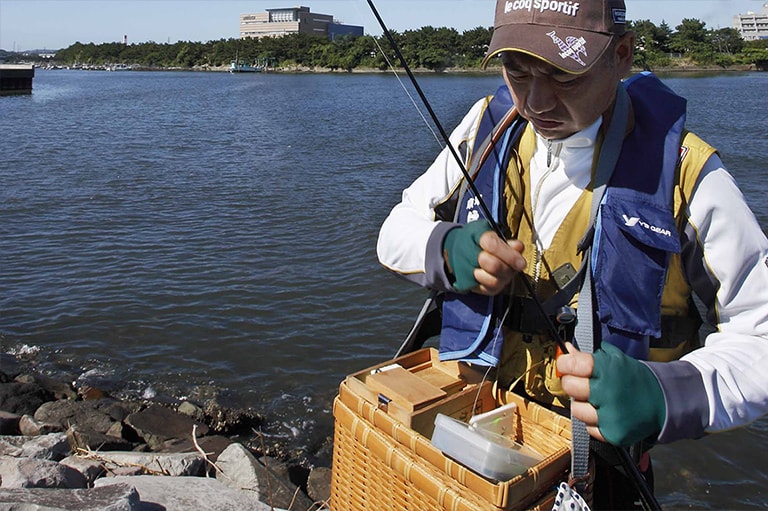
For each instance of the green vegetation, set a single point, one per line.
(690, 43)
(428, 47)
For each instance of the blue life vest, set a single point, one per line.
(635, 230)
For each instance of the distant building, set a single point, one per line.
(752, 26)
(293, 20)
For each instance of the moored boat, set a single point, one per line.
(239, 67)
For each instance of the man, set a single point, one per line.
(670, 224)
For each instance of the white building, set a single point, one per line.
(752, 26)
(293, 20)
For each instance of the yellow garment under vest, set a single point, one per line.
(529, 360)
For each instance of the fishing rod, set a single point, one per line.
(551, 328)
(646, 495)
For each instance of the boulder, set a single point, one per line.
(90, 468)
(186, 493)
(53, 446)
(231, 421)
(157, 424)
(10, 367)
(172, 464)
(95, 416)
(319, 484)
(82, 439)
(240, 470)
(29, 426)
(36, 473)
(191, 410)
(9, 423)
(117, 497)
(57, 389)
(212, 445)
(21, 398)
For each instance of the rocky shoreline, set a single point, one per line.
(65, 447)
(681, 67)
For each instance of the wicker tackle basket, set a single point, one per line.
(380, 463)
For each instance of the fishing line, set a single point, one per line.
(407, 92)
(488, 371)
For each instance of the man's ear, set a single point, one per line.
(625, 53)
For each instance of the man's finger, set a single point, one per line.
(489, 285)
(575, 363)
(588, 415)
(594, 432)
(585, 412)
(575, 386)
(509, 252)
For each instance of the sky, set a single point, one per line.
(55, 24)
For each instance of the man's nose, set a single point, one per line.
(541, 96)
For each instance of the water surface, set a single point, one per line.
(184, 235)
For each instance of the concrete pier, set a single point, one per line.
(16, 79)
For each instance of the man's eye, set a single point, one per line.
(566, 83)
(517, 77)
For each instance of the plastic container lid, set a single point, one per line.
(487, 453)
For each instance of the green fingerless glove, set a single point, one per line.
(628, 398)
(462, 246)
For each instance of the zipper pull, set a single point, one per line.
(549, 154)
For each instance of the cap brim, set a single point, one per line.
(570, 50)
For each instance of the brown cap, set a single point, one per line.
(570, 35)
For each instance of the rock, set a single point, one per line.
(96, 383)
(36, 473)
(240, 470)
(10, 367)
(212, 445)
(173, 464)
(192, 410)
(276, 466)
(158, 424)
(29, 426)
(117, 497)
(126, 472)
(319, 484)
(81, 439)
(9, 423)
(227, 421)
(91, 469)
(57, 389)
(187, 493)
(119, 430)
(88, 393)
(22, 398)
(53, 446)
(91, 415)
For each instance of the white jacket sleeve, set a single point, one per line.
(410, 239)
(725, 254)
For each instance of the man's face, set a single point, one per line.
(556, 103)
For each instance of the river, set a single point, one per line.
(188, 235)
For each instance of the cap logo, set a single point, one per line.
(567, 8)
(572, 47)
(619, 16)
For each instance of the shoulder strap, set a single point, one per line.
(584, 332)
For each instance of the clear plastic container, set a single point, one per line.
(486, 452)
(500, 420)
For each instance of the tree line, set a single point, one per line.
(430, 48)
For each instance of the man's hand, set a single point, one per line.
(616, 396)
(479, 260)
(576, 369)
